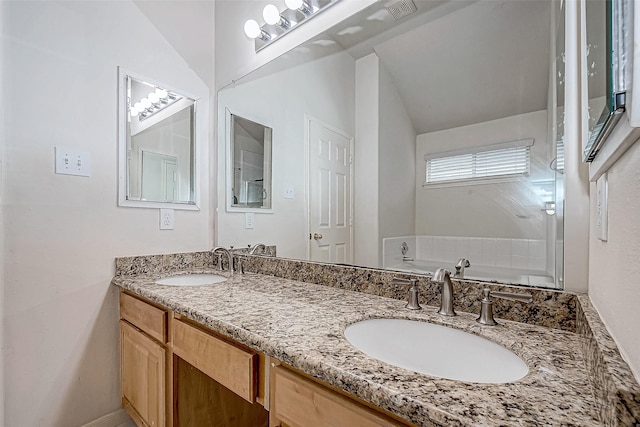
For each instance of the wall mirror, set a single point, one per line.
(607, 43)
(157, 147)
(362, 111)
(248, 164)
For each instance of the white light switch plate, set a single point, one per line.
(602, 189)
(166, 219)
(72, 162)
(248, 220)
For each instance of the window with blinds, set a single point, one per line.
(497, 161)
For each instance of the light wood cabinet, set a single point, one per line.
(142, 367)
(298, 401)
(176, 373)
(233, 367)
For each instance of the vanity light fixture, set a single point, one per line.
(278, 23)
(155, 101)
(300, 5)
(272, 16)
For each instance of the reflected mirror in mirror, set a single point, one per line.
(157, 145)
(249, 164)
(451, 81)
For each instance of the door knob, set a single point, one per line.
(317, 236)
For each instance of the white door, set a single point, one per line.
(330, 204)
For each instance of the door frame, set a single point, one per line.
(307, 206)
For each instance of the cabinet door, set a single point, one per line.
(297, 401)
(142, 370)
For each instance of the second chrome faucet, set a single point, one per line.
(442, 277)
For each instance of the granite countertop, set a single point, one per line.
(302, 324)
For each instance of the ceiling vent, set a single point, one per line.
(401, 8)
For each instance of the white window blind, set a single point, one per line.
(495, 161)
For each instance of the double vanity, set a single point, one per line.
(274, 350)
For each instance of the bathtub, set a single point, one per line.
(484, 273)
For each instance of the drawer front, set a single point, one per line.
(144, 316)
(297, 401)
(233, 367)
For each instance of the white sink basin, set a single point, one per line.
(191, 280)
(436, 350)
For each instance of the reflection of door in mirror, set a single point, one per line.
(159, 177)
(250, 147)
(330, 200)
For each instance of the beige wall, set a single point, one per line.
(614, 266)
(62, 232)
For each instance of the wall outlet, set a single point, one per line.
(72, 162)
(248, 220)
(166, 219)
(288, 193)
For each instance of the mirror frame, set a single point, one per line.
(123, 181)
(618, 46)
(229, 167)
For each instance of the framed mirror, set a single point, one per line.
(248, 164)
(157, 144)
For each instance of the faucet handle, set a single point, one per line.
(486, 305)
(412, 301)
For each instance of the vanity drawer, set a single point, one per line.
(150, 319)
(297, 401)
(233, 367)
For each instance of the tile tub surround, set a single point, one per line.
(302, 325)
(617, 393)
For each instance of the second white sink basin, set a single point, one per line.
(436, 350)
(191, 280)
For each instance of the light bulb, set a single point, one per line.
(145, 103)
(293, 4)
(153, 97)
(138, 106)
(133, 112)
(252, 29)
(161, 93)
(271, 14)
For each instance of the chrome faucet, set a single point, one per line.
(412, 301)
(229, 257)
(486, 309)
(460, 266)
(443, 277)
(257, 246)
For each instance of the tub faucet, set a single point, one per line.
(226, 252)
(257, 246)
(460, 266)
(443, 277)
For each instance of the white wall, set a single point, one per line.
(63, 232)
(322, 89)
(397, 168)
(457, 211)
(366, 217)
(613, 265)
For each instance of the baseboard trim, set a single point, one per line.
(113, 419)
